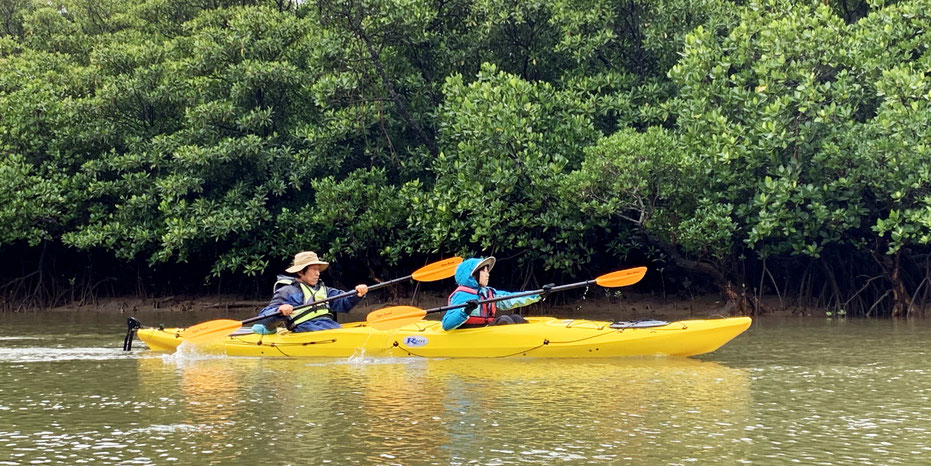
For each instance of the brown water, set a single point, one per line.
(810, 391)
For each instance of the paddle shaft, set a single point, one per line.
(207, 331)
(398, 316)
(324, 301)
(516, 295)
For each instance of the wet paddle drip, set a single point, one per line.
(578, 308)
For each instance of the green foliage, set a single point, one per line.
(506, 145)
(359, 218)
(47, 128)
(637, 36)
(623, 50)
(232, 133)
(519, 34)
(642, 181)
(760, 111)
(33, 204)
(11, 17)
(891, 151)
(795, 131)
(202, 125)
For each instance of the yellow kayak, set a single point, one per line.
(542, 337)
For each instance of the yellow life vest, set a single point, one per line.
(310, 296)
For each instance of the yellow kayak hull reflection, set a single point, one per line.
(543, 337)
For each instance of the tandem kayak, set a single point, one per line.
(541, 337)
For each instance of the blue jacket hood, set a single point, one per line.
(464, 273)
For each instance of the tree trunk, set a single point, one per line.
(355, 25)
(900, 298)
(738, 302)
(835, 301)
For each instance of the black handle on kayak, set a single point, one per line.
(133, 325)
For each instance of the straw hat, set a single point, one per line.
(489, 261)
(305, 258)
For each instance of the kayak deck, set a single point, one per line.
(545, 337)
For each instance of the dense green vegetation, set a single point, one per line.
(765, 147)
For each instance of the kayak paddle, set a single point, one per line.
(399, 316)
(219, 328)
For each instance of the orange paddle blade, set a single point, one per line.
(438, 270)
(211, 330)
(394, 317)
(621, 277)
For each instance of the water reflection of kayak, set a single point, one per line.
(448, 410)
(541, 337)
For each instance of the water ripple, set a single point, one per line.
(49, 354)
(808, 392)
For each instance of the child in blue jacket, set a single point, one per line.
(472, 277)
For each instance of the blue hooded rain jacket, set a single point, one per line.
(454, 318)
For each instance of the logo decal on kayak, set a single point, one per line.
(415, 341)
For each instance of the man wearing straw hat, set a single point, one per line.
(306, 288)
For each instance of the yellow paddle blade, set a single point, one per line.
(394, 317)
(621, 277)
(211, 330)
(438, 270)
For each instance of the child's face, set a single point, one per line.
(483, 276)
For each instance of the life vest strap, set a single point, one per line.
(487, 311)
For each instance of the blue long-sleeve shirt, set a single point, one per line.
(293, 295)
